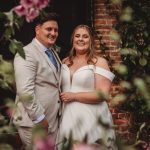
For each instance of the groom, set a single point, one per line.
(38, 82)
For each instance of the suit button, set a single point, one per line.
(58, 101)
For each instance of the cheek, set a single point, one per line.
(74, 43)
(56, 35)
(87, 43)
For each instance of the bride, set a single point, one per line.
(84, 76)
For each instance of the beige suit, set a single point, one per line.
(37, 79)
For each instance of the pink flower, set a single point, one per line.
(30, 8)
(20, 10)
(85, 147)
(44, 143)
(32, 14)
(40, 4)
(9, 112)
(26, 3)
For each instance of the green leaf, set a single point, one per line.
(117, 99)
(146, 34)
(116, 2)
(8, 33)
(114, 35)
(143, 61)
(125, 84)
(2, 15)
(17, 46)
(124, 51)
(9, 16)
(139, 83)
(18, 21)
(121, 69)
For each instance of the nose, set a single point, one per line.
(53, 32)
(80, 38)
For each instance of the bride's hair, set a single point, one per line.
(91, 53)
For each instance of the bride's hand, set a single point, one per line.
(67, 96)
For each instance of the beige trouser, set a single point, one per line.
(26, 136)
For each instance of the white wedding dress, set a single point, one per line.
(82, 119)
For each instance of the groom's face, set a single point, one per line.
(47, 33)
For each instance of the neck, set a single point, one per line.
(79, 55)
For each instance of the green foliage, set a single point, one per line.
(6, 74)
(16, 46)
(11, 23)
(134, 30)
(136, 47)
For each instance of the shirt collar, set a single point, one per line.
(42, 47)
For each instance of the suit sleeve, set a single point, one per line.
(25, 77)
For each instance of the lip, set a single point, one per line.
(51, 38)
(81, 44)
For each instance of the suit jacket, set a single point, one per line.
(38, 88)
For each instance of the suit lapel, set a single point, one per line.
(47, 60)
(59, 68)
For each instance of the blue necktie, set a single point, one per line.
(51, 57)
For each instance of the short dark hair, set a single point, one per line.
(47, 17)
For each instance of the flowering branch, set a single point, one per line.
(30, 8)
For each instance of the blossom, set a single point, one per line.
(20, 10)
(9, 112)
(44, 143)
(26, 3)
(40, 4)
(30, 8)
(32, 13)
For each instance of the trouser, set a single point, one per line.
(25, 134)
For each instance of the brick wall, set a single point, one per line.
(104, 22)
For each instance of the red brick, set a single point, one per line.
(121, 122)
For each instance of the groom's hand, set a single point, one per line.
(44, 124)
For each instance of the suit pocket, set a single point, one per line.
(20, 117)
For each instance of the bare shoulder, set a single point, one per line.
(102, 62)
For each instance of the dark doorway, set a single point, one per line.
(72, 13)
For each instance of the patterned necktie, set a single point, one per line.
(52, 58)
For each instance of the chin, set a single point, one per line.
(51, 43)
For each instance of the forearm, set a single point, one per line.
(88, 97)
(83, 97)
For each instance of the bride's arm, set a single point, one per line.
(101, 92)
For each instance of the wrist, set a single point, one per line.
(75, 98)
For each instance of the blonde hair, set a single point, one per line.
(91, 51)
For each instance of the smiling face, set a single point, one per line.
(47, 33)
(81, 40)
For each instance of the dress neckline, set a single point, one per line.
(72, 74)
(86, 66)
(106, 73)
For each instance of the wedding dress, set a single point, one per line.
(81, 119)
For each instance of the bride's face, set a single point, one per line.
(81, 40)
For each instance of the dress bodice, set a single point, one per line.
(82, 79)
